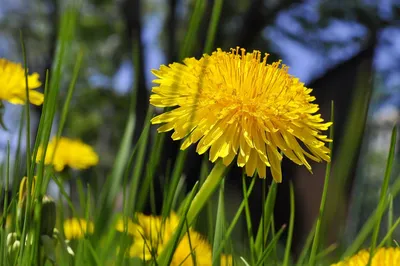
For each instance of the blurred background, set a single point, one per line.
(348, 51)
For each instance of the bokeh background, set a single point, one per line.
(348, 51)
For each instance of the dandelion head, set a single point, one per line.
(68, 152)
(76, 228)
(382, 257)
(236, 105)
(13, 84)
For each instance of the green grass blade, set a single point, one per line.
(248, 221)
(185, 51)
(5, 212)
(383, 196)
(65, 37)
(176, 174)
(315, 245)
(39, 134)
(348, 146)
(233, 223)
(324, 253)
(81, 196)
(112, 185)
(370, 223)
(102, 222)
(213, 180)
(209, 207)
(192, 253)
(66, 197)
(194, 24)
(64, 256)
(390, 221)
(273, 233)
(27, 113)
(306, 247)
(212, 28)
(263, 228)
(138, 166)
(113, 182)
(92, 252)
(68, 23)
(147, 183)
(40, 182)
(168, 252)
(383, 204)
(179, 194)
(244, 261)
(70, 92)
(27, 152)
(270, 247)
(66, 30)
(388, 237)
(220, 223)
(291, 226)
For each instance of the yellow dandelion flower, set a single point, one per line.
(13, 87)
(234, 103)
(382, 257)
(192, 250)
(68, 152)
(226, 260)
(151, 234)
(76, 228)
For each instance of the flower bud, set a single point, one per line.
(16, 245)
(48, 216)
(13, 251)
(22, 200)
(23, 187)
(11, 238)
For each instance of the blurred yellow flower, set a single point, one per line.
(226, 260)
(127, 225)
(151, 234)
(382, 257)
(76, 228)
(234, 103)
(192, 250)
(68, 152)
(13, 87)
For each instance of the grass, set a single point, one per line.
(107, 246)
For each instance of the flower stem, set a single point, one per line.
(206, 190)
